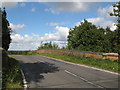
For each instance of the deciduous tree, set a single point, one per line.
(116, 13)
(87, 37)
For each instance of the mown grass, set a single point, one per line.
(99, 63)
(12, 77)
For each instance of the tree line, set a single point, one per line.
(49, 45)
(89, 37)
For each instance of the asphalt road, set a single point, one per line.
(43, 72)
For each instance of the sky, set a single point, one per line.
(36, 22)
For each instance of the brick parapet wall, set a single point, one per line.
(80, 53)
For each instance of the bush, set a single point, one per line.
(11, 74)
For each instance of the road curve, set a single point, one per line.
(43, 72)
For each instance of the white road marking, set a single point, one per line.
(83, 66)
(83, 79)
(42, 61)
(24, 80)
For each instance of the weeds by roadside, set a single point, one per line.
(11, 74)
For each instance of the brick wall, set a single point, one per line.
(80, 53)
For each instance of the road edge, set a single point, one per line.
(83, 65)
(24, 80)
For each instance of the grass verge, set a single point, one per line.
(98, 63)
(12, 77)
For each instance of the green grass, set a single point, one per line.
(17, 52)
(32, 53)
(12, 77)
(99, 63)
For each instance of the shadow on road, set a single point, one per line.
(33, 71)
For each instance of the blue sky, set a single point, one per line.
(33, 22)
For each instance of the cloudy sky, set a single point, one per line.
(33, 22)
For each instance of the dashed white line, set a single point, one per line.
(89, 82)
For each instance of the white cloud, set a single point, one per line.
(53, 24)
(27, 42)
(33, 9)
(75, 7)
(56, 24)
(103, 19)
(60, 34)
(8, 5)
(11, 4)
(56, 8)
(17, 27)
(51, 10)
(22, 4)
(61, 43)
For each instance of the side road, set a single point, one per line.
(44, 72)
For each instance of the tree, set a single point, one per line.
(116, 13)
(48, 46)
(0, 28)
(109, 37)
(87, 37)
(5, 31)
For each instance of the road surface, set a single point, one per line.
(43, 72)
